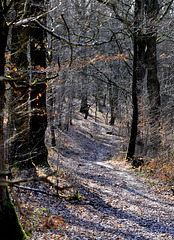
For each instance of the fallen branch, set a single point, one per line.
(34, 190)
(59, 188)
(5, 183)
(45, 192)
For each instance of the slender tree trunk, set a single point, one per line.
(111, 102)
(84, 98)
(9, 224)
(51, 114)
(51, 97)
(134, 127)
(71, 96)
(84, 108)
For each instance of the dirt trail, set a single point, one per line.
(116, 203)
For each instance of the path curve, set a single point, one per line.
(116, 203)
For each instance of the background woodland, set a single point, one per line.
(113, 58)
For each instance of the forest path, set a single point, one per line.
(116, 203)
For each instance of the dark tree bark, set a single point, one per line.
(139, 68)
(38, 116)
(10, 226)
(19, 128)
(38, 124)
(113, 101)
(84, 98)
(19, 103)
(52, 128)
(153, 85)
(134, 126)
(84, 108)
(147, 61)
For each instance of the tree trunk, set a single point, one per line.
(84, 98)
(19, 128)
(38, 116)
(139, 69)
(19, 102)
(113, 101)
(84, 108)
(132, 141)
(51, 97)
(51, 114)
(38, 124)
(9, 224)
(153, 86)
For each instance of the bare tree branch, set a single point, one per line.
(7, 7)
(109, 80)
(166, 11)
(113, 4)
(59, 37)
(69, 38)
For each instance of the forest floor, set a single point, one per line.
(110, 199)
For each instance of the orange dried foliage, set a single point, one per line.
(74, 65)
(55, 222)
(9, 56)
(152, 164)
(163, 55)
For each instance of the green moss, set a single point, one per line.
(11, 227)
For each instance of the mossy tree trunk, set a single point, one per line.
(38, 115)
(9, 224)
